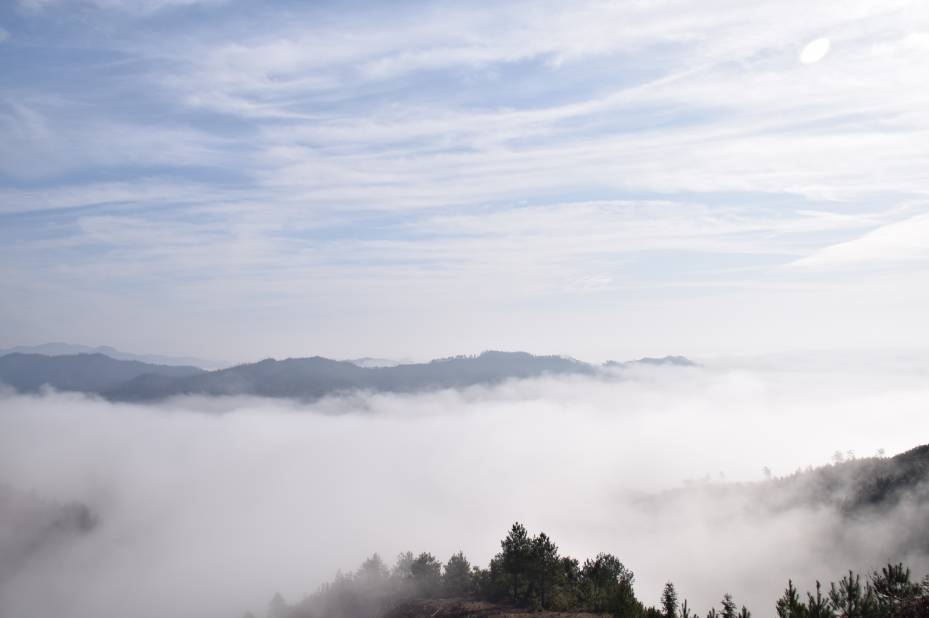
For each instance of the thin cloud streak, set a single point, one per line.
(263, 153)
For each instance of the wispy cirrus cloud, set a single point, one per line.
(495, 155)
(894, 243)
(136, 7)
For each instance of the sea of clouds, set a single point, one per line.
(206, 507)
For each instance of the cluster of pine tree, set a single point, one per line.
(890, 593)
(530, 572)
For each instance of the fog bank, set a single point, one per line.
(206, 507)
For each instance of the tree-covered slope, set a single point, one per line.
(87, 373)
(312, 378)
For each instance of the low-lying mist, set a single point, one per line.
(206, 507)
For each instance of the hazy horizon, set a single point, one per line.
(783, 358)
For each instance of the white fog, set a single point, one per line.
(206, 507)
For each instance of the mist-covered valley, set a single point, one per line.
(207, 506)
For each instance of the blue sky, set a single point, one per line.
(415, 179)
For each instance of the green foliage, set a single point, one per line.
(456, 579)
(373, 571)
(685, 610)
(544, 567)
(606, 583)
(893, 587)
(621, 600)
(728, 605)
(516, 557)
(402, 568)
(849, 599)
(494, 582)
(426, 573)
(790, 605)
(669, 601)
(529, 571)
(818, 606)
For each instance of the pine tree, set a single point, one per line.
(602, 576)
(401, 570)
(669, 601)
(516, 556)
(818, 606)
(728, 607)
(685, 610)
(457, 576)
(621, 601)
(277, 608)
(850, 600)
(892, 587)
(373, 571)
(544, 566)
(790, 605)
(426, 572)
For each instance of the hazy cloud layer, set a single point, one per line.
(208, 506)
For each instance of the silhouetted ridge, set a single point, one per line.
(88, 373)
(298, 378)
(675, 361)
(58, 348)
(868, 483)
(315, 377)
(855, 487)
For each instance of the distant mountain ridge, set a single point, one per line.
(369, 362)
(296, 378)
(58, 348)
(315, 377)
(675, 361)
(86, 373)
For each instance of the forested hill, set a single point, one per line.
(852, 486)
(86, 373)
(298, 378)
(71, 349)
(872, 483)
(311, 378)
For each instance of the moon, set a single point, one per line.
(814, 51)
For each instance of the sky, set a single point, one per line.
(235, 179)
